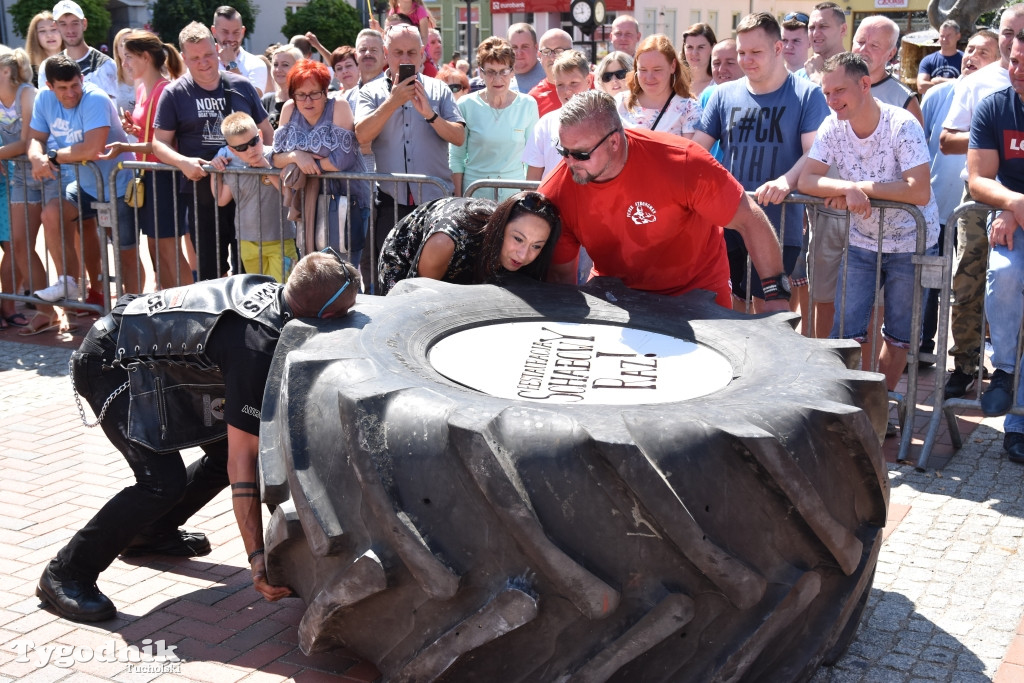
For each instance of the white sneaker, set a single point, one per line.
(64, 288)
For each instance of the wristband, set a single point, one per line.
(776, 288)
(432, 118)
(255, 553)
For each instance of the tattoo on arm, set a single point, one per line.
(245, 489)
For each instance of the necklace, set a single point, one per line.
(496, 111)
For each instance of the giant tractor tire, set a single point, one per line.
(652, 489)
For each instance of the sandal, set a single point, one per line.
(16, 320)
(31, 330)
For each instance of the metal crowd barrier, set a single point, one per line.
(948, 406)
(930, 271)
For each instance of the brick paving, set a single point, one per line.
(946, 603)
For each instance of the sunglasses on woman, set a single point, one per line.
(619, 75)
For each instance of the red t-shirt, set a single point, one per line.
(657, 224)
(546, 96)
(144, 114)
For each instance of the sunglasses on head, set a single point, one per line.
(536, 203)
(799, 16)
(583, 156)
(455, 87)
(246, 145)
(348, 279)
(619, 75)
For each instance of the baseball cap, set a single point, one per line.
(67, 7)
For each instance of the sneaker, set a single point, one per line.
(998, 398)
(1013, 442)
(179, 543)
(64, 288)
(958, 384)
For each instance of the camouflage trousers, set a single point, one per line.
(969, 288)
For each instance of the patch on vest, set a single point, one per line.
(641, 213)
(259, 299)
(213, 409)
(164, 300)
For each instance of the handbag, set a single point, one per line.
(135, 193)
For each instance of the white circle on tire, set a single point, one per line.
(576, 363)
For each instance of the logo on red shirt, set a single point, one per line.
(1013, 144)
(641, 213)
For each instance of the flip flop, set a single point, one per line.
(29, 331)
(16, 320)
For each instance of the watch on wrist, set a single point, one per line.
(232, 66)
(777, 287)
(432, 118)
(51, 155)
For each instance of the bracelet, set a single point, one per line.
(255, 553)
(432, 118)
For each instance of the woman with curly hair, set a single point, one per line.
(659, 96)
(468, 241)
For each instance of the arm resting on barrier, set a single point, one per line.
(982, 167)
(954, 141)
(163, 148)
(775, 191)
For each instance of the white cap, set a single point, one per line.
(67, 7)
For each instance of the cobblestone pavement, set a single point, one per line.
(946, 605)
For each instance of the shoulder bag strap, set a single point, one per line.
(671, 94)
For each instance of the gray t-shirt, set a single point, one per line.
(531, 78)
(407, 143)
(258, 212)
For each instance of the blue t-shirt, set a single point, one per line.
(68, 127)
(760, 136)
(938, 65)
(998, 124)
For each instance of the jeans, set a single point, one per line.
(859, 281)
(1004, 308)
(165, 493)
(212, 229)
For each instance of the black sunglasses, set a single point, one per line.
(246, 145)
(455, 87)
(619, 75)
(583, 156)
(799, 16)
(536, 203)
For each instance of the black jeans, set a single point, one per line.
(165, 493)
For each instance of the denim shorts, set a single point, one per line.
(897, 278)
(127, 234)
(24, 189)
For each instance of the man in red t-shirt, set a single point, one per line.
(553, 43)
(649, 208)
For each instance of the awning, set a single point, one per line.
(510, 6)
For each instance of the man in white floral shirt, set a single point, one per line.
(879, 152)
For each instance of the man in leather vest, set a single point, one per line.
(178, 368)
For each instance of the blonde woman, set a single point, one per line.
(16, 97)
(125, 99)
(42, 40)
(281, 62)
(659, 96)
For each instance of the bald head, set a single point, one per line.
(552, 44)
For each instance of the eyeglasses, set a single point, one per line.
(455, 87)
(552, 51)
(246, 145)
(583, 156)
(799, 16)
(491, 73)
(619, 75)
(311, 96)
(348, 279)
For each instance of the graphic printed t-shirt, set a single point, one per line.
(760, 136)
(999, 124)
(896, 146)
(195, 114)
(68, 127)
(646, 227)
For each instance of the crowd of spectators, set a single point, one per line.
(779, 105)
